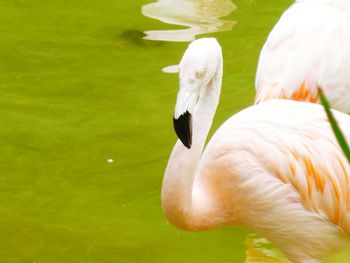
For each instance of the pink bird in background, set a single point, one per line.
(308, 48)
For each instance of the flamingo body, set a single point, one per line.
(308, 48)
(277, 168)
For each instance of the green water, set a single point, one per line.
(86, 130)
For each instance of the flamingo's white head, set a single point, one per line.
(197, 69)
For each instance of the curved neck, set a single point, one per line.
(178, 180)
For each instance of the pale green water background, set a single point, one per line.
(79, 86)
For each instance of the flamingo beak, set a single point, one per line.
(183, 128)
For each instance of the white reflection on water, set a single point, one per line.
(258, 249)
(171, 69)
(201, 16)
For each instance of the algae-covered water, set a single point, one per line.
(86, 126)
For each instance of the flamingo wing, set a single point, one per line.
(321, 177)
(304, 153)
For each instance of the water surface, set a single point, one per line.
(86, 130)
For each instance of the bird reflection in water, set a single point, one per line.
(201, 16)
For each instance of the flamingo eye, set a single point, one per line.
(200, 74)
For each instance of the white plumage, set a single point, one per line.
(309, 47)
(275, 167)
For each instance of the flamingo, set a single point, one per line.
(309, 47)
(275, 167)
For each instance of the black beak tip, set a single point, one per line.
(183, 129)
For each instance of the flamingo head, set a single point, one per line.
(197, 69)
